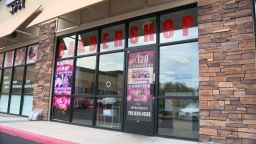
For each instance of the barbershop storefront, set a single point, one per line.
(175, 68)
(139, 75)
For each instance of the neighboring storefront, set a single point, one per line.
(18, 76)
(176, 68)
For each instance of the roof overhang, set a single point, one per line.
(61, 7)
(11, 25)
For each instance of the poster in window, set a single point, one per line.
(63, 77)
(20, 56)
(61, 107)
(140, 67)
(140, 84)
(9, 59)
(1, 60)
(32, 53)
(139, 102)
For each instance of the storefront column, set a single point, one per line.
(227, 71)
(44, 69)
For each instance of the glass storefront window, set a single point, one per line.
(66, 47)
(87, 43)
(142, 32)
(9, 59)
(85, 75)
(20, 56)
(17, 80)
(30, 79)
(12, 94)
(113, 38)
(111, 69)
(177, 26)
(4, 99)
(7, 80)
(15, 104)
(32, 53)
(27, 105)
(83, 111)
(0, 77)
(109, 112)
(64, 77)
(178, 118)
(179, 70)
(61, 108)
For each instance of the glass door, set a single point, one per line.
(140, 92)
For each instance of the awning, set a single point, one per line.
(9, 26)
(60, 7)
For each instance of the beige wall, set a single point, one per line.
(4, 10)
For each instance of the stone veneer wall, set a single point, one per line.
(227, 71)
(44, 69)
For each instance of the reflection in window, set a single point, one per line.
(61, 108)
(142, 32)
(27, 105)
(85, 75)
(83, 111)
(111, 74)
(20, 56)
(87, 43)
(66, 47)
(112, 38)
(4, 99)
(7, 80)
(179, 25)
(109, 113)
(179, 118)
(17, 80)
(1, 60)
(30, 79)
(179, 70)
(15, 104)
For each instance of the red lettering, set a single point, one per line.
(187, 21)
(149, 32)
(93, 42)
(81, 44)
(105, 40)
(118, 38)
(134, 35)
(168, 28)
(61, 49)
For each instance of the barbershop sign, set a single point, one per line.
(15, 5)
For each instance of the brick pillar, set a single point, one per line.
(227, 71)
(44, 69)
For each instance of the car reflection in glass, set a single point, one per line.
(190, 112)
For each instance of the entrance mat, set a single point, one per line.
(37, 138)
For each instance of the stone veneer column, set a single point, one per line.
(227, 71)
(44, 69)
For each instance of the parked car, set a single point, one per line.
(190, 112)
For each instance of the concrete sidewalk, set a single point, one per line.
(80, 134)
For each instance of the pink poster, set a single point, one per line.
(139, 102)
(63, 77)
(140, 80)
(61, 107)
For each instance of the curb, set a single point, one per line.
(38, 138)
